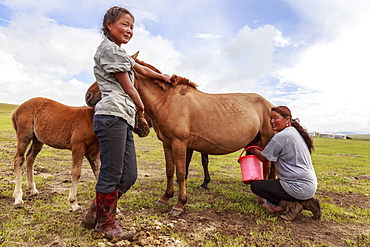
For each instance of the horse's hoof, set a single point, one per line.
(159, 203)
(176, 212)
(76, 208)
(203, 187)
(34, 192)
(18, 206)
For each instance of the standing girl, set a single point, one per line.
(114, 120)
(296, 185)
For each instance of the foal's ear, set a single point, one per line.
(135, 55)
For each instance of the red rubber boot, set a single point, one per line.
(106, 205)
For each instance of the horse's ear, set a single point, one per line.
(135, 55)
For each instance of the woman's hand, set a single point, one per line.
(258, 152)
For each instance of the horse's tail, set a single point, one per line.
(13, 118)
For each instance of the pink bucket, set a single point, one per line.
(250, 166)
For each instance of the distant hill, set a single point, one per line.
(7, 107)
(6, 110)
(347, 133)
(360, 137)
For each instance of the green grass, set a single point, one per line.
(5, 112)
(342, 168)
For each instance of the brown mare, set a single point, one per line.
(93, 96)
(186, 118)
(44, 121)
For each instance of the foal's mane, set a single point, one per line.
(175, 80)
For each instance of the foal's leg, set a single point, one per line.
(18, 162)
(77, 158)
(94, 161)
(30, 159)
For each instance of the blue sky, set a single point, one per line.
(311, 55)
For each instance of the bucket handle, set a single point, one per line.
(249, 147)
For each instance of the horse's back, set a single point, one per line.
(217, 123)
(51, 122)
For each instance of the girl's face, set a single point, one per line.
(278, 122)
(122, 29)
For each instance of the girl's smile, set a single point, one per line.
(122, 29)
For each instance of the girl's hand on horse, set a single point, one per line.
(166, 78)
(140, 113)
(150, 73)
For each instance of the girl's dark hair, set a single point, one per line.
(111, 16)
(285, 112)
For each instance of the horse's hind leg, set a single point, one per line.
(18, 162)
(30, 160)
(189, 155)
(207, 177)
(94, 161)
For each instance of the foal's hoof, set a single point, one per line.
(76, 208)
(160, 203)
(18, 206)
(175, 212)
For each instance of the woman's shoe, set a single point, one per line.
(312, 205)
(293, 209)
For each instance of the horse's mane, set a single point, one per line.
(175, 80)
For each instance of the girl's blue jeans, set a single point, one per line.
(117, 154)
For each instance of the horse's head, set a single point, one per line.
(142, 128)
(93, 96)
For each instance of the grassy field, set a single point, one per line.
(224, 215)
(5, 111)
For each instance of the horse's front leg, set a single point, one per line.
(170, 170)
(179, 157)
(77, 158)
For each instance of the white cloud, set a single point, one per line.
(239, 65)
(39, 56)
(337, 70)
(317, 73)
(206, 36)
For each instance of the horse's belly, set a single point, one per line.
(221, 143)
